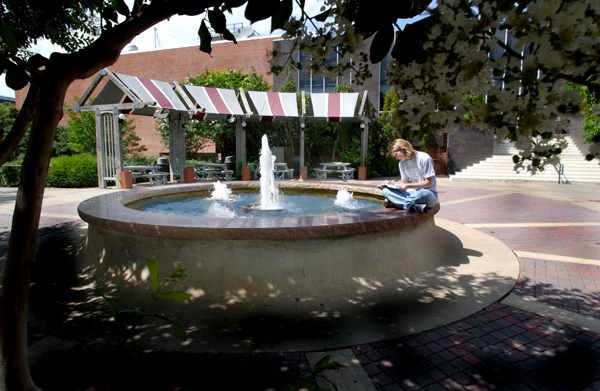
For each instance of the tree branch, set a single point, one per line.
(28, 112)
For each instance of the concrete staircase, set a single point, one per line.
(500, 167)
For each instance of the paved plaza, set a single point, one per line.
(544, 335)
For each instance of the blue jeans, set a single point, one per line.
(405, 199)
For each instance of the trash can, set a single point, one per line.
(230, 161)
(163, 162)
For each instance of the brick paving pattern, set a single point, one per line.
(502, 347)
(498, 348)
(572, 287)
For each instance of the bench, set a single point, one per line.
(321, 173)
(280, 174)
(204, 171)
(347, 173)
(159, 178)
(152, 173)
(207, 174)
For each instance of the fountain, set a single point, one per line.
(282, 283)
(269, 193)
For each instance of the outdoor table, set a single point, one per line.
(153, 173)
(281, 169)
(206, 170)
(340, 167)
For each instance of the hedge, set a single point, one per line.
(73, 171)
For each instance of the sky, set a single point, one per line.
(179, 31)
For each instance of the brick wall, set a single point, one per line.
(467, 147)
(174, 65)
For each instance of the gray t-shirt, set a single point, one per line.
(418, 169)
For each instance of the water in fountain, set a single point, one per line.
(269, 193)
(221, 192)
(345, 199)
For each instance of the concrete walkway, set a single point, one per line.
(545, 335)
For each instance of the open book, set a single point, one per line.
(390, 185)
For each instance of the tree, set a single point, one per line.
(519, 54)
(437, 62)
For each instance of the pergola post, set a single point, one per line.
(118, 142)
(240, 142)
(109, 151)
(364, 142)
(176, 145)
(100, 148)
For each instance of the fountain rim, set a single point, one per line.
(109, 212)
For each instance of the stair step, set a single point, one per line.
(500, 167)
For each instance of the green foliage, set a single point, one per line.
(8, 115)
(82, 138)
(70, 24)
(62, 138)
(139, 160)
(318, 371)
(10, 174)
(73, 171)
(127, 321)
(83, 131)
(63, 142)
(591, 128)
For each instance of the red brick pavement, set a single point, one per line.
(498, 348)
(501, 347)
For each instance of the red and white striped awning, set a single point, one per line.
(330, 107)
(272, 106)
(155, 95)
(213, 103)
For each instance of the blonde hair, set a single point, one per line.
(401, 144)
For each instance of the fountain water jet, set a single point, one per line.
(269, 193)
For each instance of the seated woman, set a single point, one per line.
(417, 191)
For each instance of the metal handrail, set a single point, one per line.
(560, 169)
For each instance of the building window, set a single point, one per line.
(383, 80)
(317, 83)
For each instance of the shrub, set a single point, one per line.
(10, 174)
(73, 171)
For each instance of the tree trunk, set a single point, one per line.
(45, 107)
(14, 371)
(17, 132)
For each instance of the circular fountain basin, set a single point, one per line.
(283, 284)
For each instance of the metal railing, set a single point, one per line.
(560, 169)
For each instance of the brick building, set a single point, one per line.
(459, 150)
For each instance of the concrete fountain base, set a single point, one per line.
(286, 284)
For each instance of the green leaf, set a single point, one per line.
(306, 384)
(234, 3)
(205, 38)
(282, 14)
(9, 37)
(175, 295)
(382, 43)
(408, 48)
(219, 24)
(322, 17)
(260, 9)
(182, 332)
(112, 306)
(16, 78)
(121, 7)
(153, 268)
